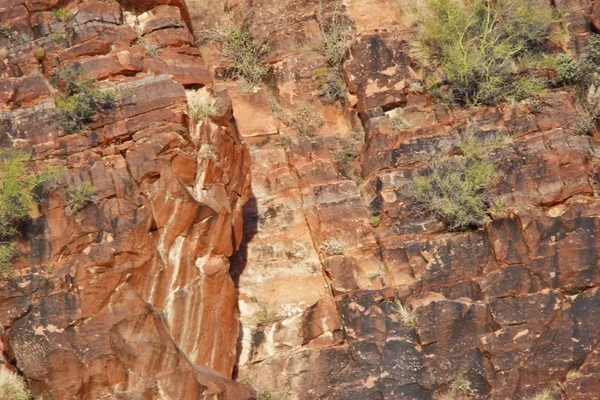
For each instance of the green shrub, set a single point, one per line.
(398, 122)
(405, 316)
(330, 84)
(206, 110)
(457, 387)
(305, 119)
(455, 187)
(6, 32)
(469, 48)
(266, 394)
(345, 158)
(7, 253)
(245, 53)
(333, 247)
(12, 386)
(79, 102)
(375, 221)
(19, 188)
(265, 317)
(335, 36)
(62, 15)
(77, 197)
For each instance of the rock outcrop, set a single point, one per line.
(129, 297)
(238, 250)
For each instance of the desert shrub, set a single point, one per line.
(306, 120)
(457, 387)
(19, 188)
(333, 247)
(345, 158)
(6, 32)
(330, 85)
(205, 110)
(454, 188)
(405, 316)
(265, 394)
(335, 35)
(265, 317)
(545, 395)
(245, 52)
(398, 122)
(63, 15)
(7, 253)
(77, 197)
(469, 48)
(375, 221)
(12, 386)
(79, 102)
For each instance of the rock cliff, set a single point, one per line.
(238, 257)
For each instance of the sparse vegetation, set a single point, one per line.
(545, 395)
(375, 220)
(12, 386)
(406, 317)
(305, 119)
(7, 253)
(335, 35)
(77, 197)
(374, 275)
(397, 121)
(572, 374)
(457, 387)
(62, 14)
(455, 188)
(266, 394)
(39, 53)
(330, 84)
(333, 247)
(6, 32)
(469, 49)
(79, 102)
(245, 52)
(265, 317)
(206, 110)
(153, 49)
(345, 159)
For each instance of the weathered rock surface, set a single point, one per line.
(131, 296)
(510, 306)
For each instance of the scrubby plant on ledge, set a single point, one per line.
(473, 51)
(241, 48)
(78, 196)
(12, 386)
(454, 188)
(19, 197)
(78, 101)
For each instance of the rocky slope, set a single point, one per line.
(208, 253)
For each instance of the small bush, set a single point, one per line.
(345, 159)
(572, 374)
(406, 317)
(469, 48)
(62, 15)
(19, 187)
(545, 395)
(375, 221)
(398, 122)
(335, 36)
(330, 85)
(77, 197)
(455, 188)
(12, 386)
(205, 110)
(266, 394)
(7, 253)
(333, 247)
(567, 70)
(39, 54)
(6, 32)
(241, 48)
(265, 317)
(153, 50)
(79, 102)
(305, 119)
(457, 387)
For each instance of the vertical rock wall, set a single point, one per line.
(511, 307)
(129, 297)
